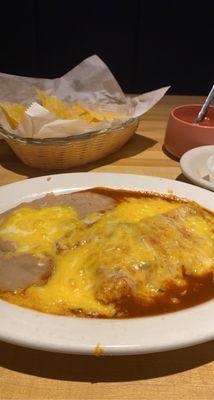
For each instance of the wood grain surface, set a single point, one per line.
(185, 374)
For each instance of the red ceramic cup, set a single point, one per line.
(183, 134)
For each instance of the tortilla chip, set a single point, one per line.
(79, 111)
(54, 105)
(112, 115)
(14, 113)
(98, 116)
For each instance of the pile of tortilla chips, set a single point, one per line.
(14, 112)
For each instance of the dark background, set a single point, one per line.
(146, 44)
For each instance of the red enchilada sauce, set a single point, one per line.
(190, 113)
(198, 289)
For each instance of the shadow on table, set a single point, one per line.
(103, 369)
(135, 145)
(182, 178)
(168, 154)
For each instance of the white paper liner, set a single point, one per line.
(90, 83)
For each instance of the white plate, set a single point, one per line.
(129, 336)
(193, 166)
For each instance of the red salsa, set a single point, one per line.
(189, 114)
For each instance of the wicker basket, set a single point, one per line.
(62, 153)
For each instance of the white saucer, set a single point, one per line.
(194, 166)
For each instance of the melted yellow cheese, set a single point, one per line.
(72, 285)
(36, 230)
(133, 210)
(117, 242)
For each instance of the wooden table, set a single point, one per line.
(185, 374)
